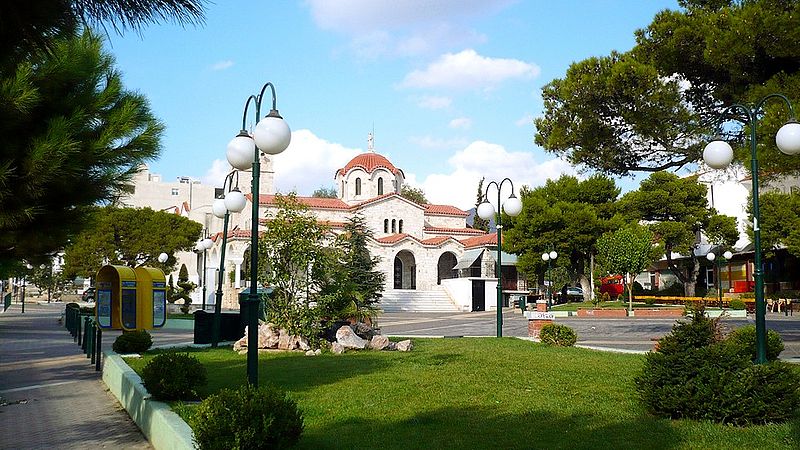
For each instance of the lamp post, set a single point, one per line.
(549, 257)
(233, 201)
(712, 257)
(512, 207)
(203, 245)
(718, 154)
(271, 135)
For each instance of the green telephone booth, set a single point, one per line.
(116, 298)
(152, 305)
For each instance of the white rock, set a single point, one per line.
(349, 339)
(405, 346)
(337, 348)
(378, 342)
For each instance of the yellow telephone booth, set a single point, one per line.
(116, 298)
(152, 292)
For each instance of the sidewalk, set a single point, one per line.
(50, 395)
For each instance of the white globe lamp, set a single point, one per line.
(218, 208)
(711, 256)
(728, 255)
(553, 255)
(788, 138)
(162, 258)
(545, 257)
(235, 201)
(486, 211)
(718, 154)
(512, 206)
(241, 151)
(272, 135)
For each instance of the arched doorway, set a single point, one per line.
(445, 268)
(405, 270)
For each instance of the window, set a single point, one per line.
(394, 228)
(400, 226)
(385, 225)
(358, 186)
(380, 186)
(342, 191)
(175, 191)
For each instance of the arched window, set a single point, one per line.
(342, 191)
(358, 186)
(380, 186)
(385, 225)
(400, 226)
(394, 228)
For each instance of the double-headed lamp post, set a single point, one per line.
(711, 257)
(233, 201)
(202, 246)
(718, 154)
(512, 207)
(271, 135)
(551, 256)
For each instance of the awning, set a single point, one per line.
(509, 259)
(469, 257)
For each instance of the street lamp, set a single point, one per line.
(163, 257)
(512, 207)
(233, 201)
(271, 135)
(718, 154)
(549, 257)
(203, 245)
(711, 257)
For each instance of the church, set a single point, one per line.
(431, 258)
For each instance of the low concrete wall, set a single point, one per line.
(162, 427)
(658, 312)
(583, 312)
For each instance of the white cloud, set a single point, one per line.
(309, 163)
(469, 70)
(222, 65)
(493, 161)
(525, 120)
(434, 102)
(216, 173)
(461, 123)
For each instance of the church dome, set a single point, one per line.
(369, 162)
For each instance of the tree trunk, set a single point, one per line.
(688, 287)
(591, 278)
(629, 282)
(586, 286)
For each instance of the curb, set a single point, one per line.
(163, 428)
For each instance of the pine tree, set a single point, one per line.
(360, 264)
(477, 222)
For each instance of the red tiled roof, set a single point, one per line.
(369, 162)
(444, 210)
(471, 231)
(383, 197)
(327, 223)
(311, 202)
(480, 241)
(436, 240)
(392, 238)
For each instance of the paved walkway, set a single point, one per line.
(50, 395)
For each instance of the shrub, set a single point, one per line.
(605, 297)
(557, 334)
(744, 340)
(695, 375)
(737, 303)
(174, 376)
(650, 301)
(247, 418)
(133, 342)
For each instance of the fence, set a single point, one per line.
(6, 301)
(86, 333)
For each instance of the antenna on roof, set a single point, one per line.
(371, 140)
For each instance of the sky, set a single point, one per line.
(450, 87)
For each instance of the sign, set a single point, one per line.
(538, 315)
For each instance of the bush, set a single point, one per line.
(744, 340)
(174, 376)
(247, 418)
(557, 334)
(737, 303)
(696, 375)
(133, 342)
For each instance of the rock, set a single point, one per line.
(363, 330)
(391, 347)
(284, 342)
(318, 352)
(311, 353)
(302, 344)
(329, 334)
(266, 336)
(379, 342)
(337, 348)
(405, 346)
(349, 339)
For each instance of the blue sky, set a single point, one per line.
(449, 86)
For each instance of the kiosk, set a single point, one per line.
(130, 299)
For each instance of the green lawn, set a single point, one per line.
(573, 306)
(477, 393)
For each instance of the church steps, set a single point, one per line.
(410, 300)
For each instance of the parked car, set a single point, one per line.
(573, 294)
(612, 284)
(88, 295)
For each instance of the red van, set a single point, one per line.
(612, 284)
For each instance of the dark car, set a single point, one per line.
(88, 295)
(573, 294)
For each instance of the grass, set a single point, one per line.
(476, 393)
(618, 304)
(180, 316)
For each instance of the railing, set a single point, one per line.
(86, 333)
(6, 301)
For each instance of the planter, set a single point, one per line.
(591, 312)
(658, 312)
